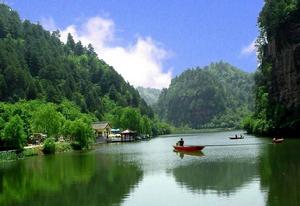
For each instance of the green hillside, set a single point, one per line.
(218, 95)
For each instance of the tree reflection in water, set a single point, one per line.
(280, 173)
(80, 179)
(223, 176)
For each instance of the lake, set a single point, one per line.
(250, 171)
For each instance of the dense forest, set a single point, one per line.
(218, 95)
(36, 65)
(150, 95)
(277, 88)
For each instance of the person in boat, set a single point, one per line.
(180, 142)
(236, 136)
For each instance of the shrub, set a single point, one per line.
(8, 156)
(30, 152)
(62, 147)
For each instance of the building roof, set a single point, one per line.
(100, 125)
(127, 131)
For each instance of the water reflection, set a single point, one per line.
(150, 173)
(280, 173)
(83, 179)
(181, 154)
(222, 176)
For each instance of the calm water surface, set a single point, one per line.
(244, 172)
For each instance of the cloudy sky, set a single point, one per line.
(148, 42)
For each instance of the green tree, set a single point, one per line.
(82, 134)
(130, 119)
(70, 42)
(47, 120)
(145, 125)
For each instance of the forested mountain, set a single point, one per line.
(277, 88)
(59, 89)
(150, 95)
(218, 95)
(34, 63)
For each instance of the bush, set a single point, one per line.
(49, 146)
(62, 147)
(8, 156)
(31, 152)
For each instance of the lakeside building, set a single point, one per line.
(128, 135)
(102, 129)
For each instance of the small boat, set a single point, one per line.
(241, 137)
(189, 148)
(277, 140)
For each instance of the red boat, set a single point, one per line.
(189, 148)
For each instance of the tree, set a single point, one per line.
(82, 134)
(14, 134)
(91, 50)
(47, 120)
(130, 119)
(145, 125)
(70, 42)
(79, 50)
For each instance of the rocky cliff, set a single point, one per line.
(278, 79)
(283, 52)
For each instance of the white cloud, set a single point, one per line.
(249, 50)
(140, 63)
(48, 24)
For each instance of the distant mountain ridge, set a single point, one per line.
(218, 95)
(150, 95)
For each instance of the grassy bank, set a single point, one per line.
(32, 151)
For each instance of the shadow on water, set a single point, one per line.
(280, 173)
(68, 179)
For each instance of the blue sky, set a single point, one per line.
(149, 42)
